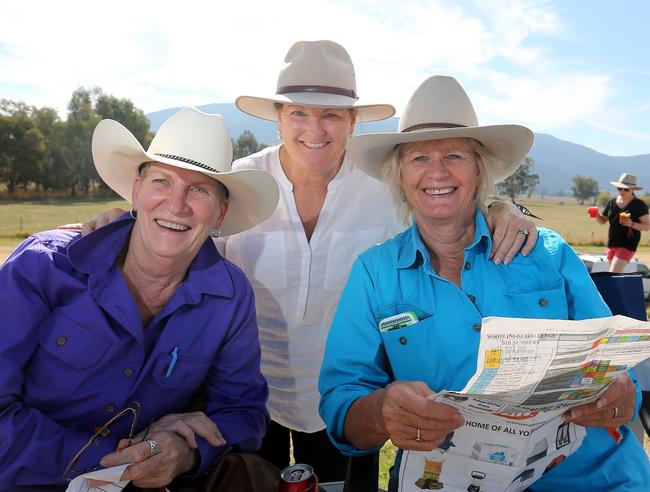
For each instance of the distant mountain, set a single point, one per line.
(556, 161)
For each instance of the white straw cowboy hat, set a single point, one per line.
(627, 181)
(438, 109)
(315, 73)
(193, 140)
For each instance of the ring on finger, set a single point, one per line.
(615, 413)
(153, 446)
(523, 231)
(418, 436)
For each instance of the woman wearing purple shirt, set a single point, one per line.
(140, 314)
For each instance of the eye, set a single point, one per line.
(200, 190)
(160, 181)
(453, 156)
(332, 116)
(298, 113)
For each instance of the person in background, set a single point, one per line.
(125, 325)
(375, 383)
(299, 259)
(627, 216)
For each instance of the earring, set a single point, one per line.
(133, 214)
(403, 198)
(279, 134)
(215, 233)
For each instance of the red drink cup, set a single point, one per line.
(593, 211)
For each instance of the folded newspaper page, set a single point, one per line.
(529, 373)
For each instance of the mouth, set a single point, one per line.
(172, 225)
(440, 191)
(314, 145)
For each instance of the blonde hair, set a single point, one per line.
(391, 174)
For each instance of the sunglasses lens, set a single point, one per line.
(623, 189)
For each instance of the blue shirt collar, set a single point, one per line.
(413, 251)
(96, 254)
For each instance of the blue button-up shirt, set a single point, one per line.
(73, 352)
(441, 348)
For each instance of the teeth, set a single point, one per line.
(172, 225)
(315, 145)
(439, 191)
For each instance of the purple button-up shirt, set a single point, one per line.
(73, 352)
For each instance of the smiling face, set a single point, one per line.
(440, 178)
(314, 138)
(177, 209)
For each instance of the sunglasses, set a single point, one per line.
(623, 189)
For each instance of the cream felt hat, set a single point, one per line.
(627, 181)
(315, 73)
(190, 139)
(438, 109)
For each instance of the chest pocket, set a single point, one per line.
(344, 249)
(187, 373)
(262, 256)
(412, 351)
(68, 355)
(542, 304)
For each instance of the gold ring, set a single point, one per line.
(615, 414)
(523, 231)
(418, 437)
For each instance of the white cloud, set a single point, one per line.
(163, 54)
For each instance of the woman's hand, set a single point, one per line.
(625, 221)
(614, 407)
(101, 220)
(412, 421)
(172, 458)
(505, 222)
(187, 425)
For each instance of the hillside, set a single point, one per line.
(556, 161)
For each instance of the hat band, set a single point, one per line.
(188, 161)
(422, 126)
(325, 89)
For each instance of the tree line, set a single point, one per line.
(39, 151)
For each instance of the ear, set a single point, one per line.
(353, 114)
(135, 189)
(223, 209)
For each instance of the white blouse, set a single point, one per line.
(298, 283)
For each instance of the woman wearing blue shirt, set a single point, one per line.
(374, 385)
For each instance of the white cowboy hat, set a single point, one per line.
(315, 73)
(190, 139)
(438, 109)
(627, 181)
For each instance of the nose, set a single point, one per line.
(437, 167)
(177, 201)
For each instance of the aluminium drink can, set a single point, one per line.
(298, 478)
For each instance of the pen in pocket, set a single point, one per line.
(169, 369)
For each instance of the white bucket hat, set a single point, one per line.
(190, 139)
(315, 73)
(438, 109)
(626, 181)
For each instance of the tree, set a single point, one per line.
(22, 146)
(245, 145)
(523, 180)
(54, 170)
(584, 188)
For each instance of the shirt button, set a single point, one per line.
(543, 302)
(128, 372)
(110, 408)
(477, 327)
(472, 298)
(61, 341)
(403, 340)
(468, 266)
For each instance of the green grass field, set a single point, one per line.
(564, 215)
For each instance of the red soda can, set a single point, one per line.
(298, 478)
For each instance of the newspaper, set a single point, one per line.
(529, 373)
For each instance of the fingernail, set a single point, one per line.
(575, 414)
(600, 403)
(497, 260)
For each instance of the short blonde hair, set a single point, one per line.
(392, 173)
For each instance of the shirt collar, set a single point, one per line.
(412, 249)
(95, 254)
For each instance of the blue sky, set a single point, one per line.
(576, 69)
